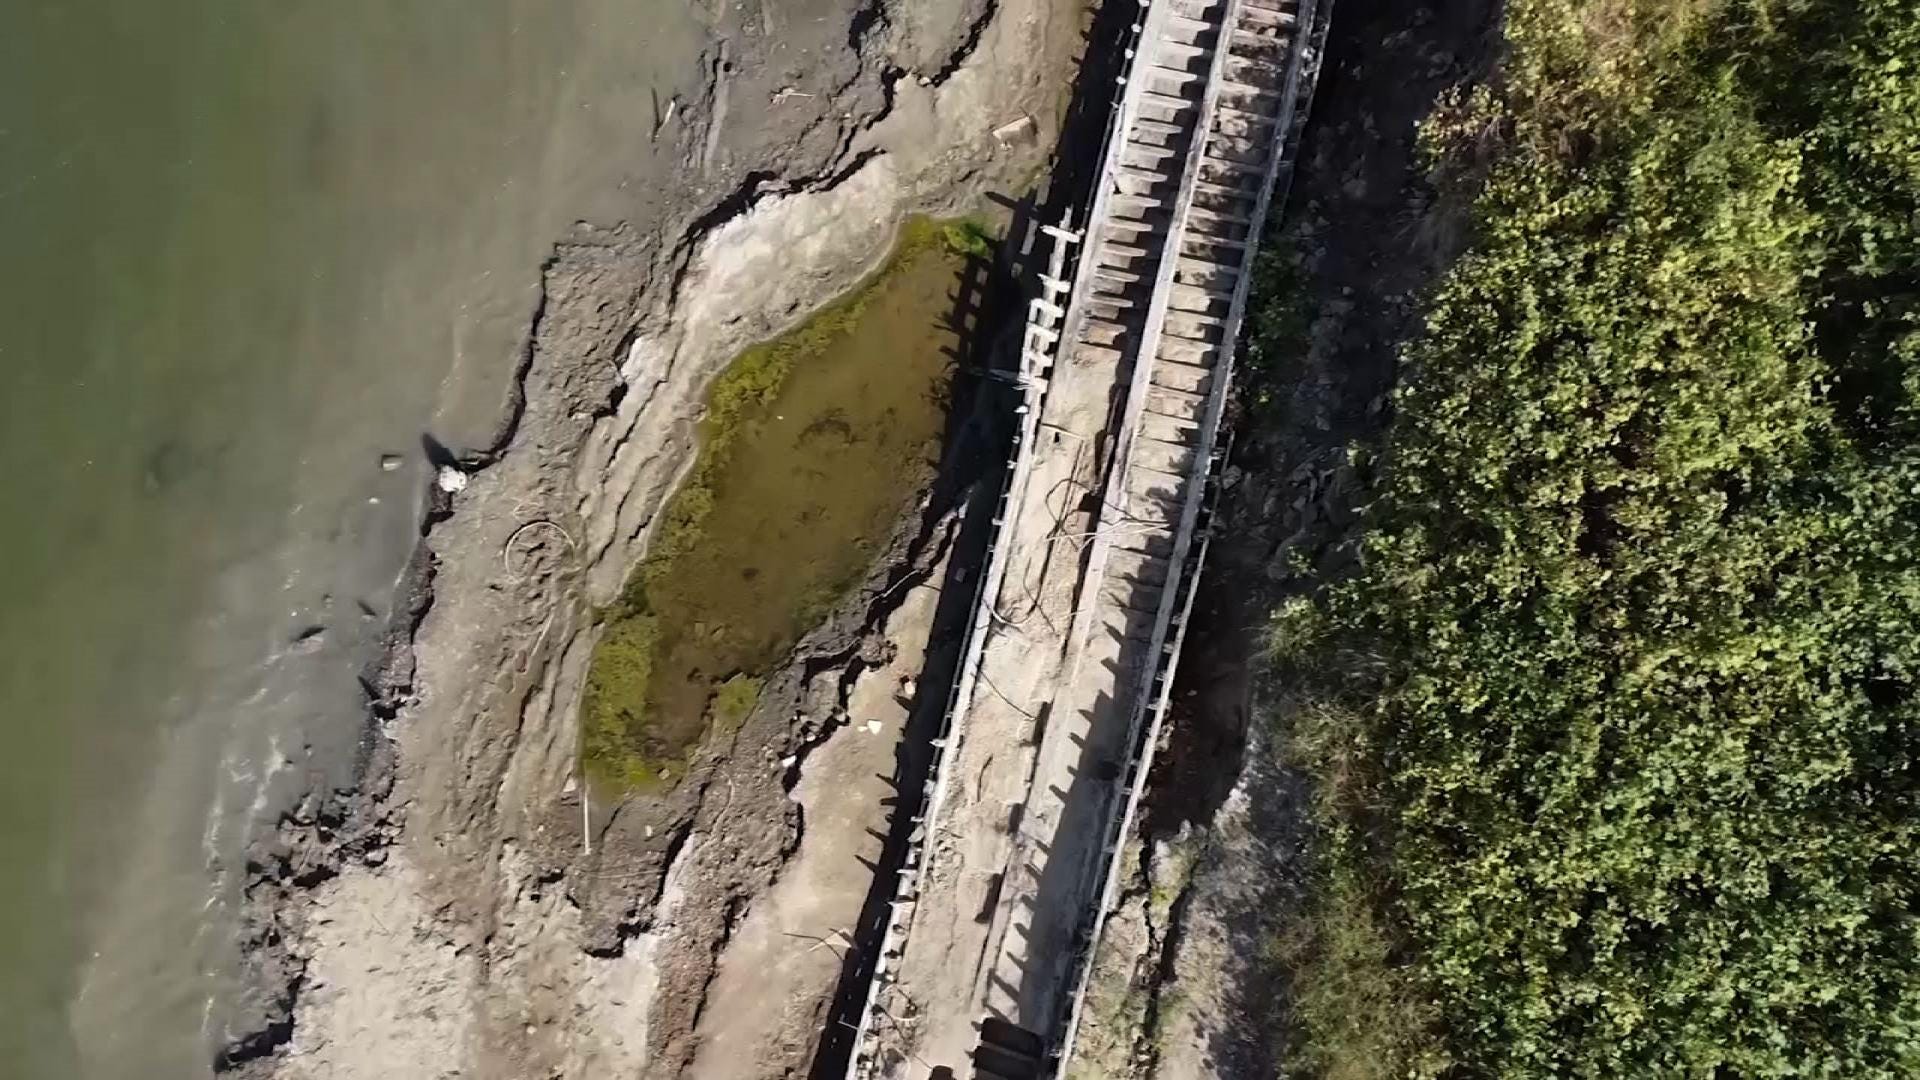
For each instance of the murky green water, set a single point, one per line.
(812, 446)
(245, 249)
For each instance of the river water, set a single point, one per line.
(246, 250)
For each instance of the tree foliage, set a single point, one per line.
(1629, 664)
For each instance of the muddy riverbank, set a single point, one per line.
(461, 909)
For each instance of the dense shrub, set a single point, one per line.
(1626, 678)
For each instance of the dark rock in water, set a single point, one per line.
(309, 639)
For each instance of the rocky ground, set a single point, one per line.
(1190, 979)
(465, 911)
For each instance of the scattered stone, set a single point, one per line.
(391, 462)
(1020, 130)
(874, 726)
(451, 480)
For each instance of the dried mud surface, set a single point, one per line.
(459, 912)
(1186, 983)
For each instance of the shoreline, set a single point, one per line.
(524, 953)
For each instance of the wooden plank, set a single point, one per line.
(1184, 50)
(1259, 118)
(1159, 127)
(1167, 101)
(1222, 189)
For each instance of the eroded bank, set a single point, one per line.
(449, 911)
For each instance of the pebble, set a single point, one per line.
(390, 462)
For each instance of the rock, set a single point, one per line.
(1019, 130)
(309, 639)
(391, 462)
(451, 480)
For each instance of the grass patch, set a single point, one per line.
(1618, 714)
(621, 670)
(733, 700)
(810, 447)
(1358, 1011)
(1369, 1017)
(970, 238)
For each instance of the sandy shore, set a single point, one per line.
(449, 915)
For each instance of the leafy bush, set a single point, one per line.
(1629, 663)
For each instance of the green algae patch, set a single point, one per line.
(810, 450)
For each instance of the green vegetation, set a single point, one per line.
(970, 238)
(810, 447)
(734, 699)
(1615, 723)
(621, 672)
(1277, 337)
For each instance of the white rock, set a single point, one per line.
(1020, 129)
(452, 479)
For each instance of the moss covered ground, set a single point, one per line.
(811, 448)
